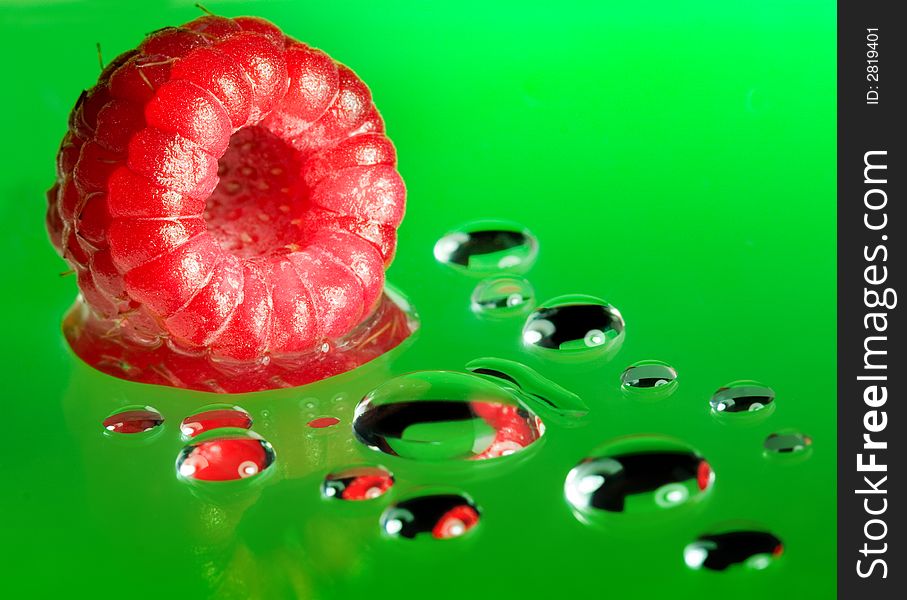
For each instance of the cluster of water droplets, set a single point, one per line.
(500, 408)
(220, 445)
(571, 326)
(636, 475)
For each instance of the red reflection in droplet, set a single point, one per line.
(513, 430)
(704, 475)
(133, 421)
(455, 522)
(215, 419)
(366, 487)
(322, 422)
(225, 459)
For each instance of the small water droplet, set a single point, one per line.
(787, 443)
(133, 419)
(488, 247)
(502, 297)
(637, 475)
(443, 516)
(440, 415)
(575, 326)
(742, 397)
(323, 422)
(716, 552)
(226, 458)
(649, 379)
(357, 483)
(215, 417)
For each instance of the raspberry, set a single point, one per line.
(228, 200)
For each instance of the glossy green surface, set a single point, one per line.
(675, 159)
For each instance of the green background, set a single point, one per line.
(676, 159)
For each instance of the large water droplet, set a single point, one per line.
(357, 483)
(502, 297)
(787, 443)
(717, 552)
(226, 458)
(488, 247)
(741, 397)
(575, 326)
(215, 417)
(441, 415)
(444, 516)
(133, 419)
(649, 379)
(637, 475)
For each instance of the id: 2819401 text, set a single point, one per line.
(872, 65)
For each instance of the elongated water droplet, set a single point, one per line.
(133, 419)
(787, 443)
(535, 389)
(501, 297)
(716, 552)
(226, 458)
(742, 397)
(649, 376)
(488, 247)
(637, 475)
(357, 483)
(574, 326)
(441, 415)
(215, 417)
(442, 516)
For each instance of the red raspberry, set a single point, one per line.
(229, 191)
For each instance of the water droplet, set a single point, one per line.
(502, 297)
(133, 419)
(357, 483)
(441, 415)
(787, 443)
(742, 397)
(648, 374)
(753, 549)
(488, 247)
(215, 417)
(637, 475)
(225, 458)
(444, 516)
(575, 326)
(323, 422)
(536, 390)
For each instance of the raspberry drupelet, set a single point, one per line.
(229, 202)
